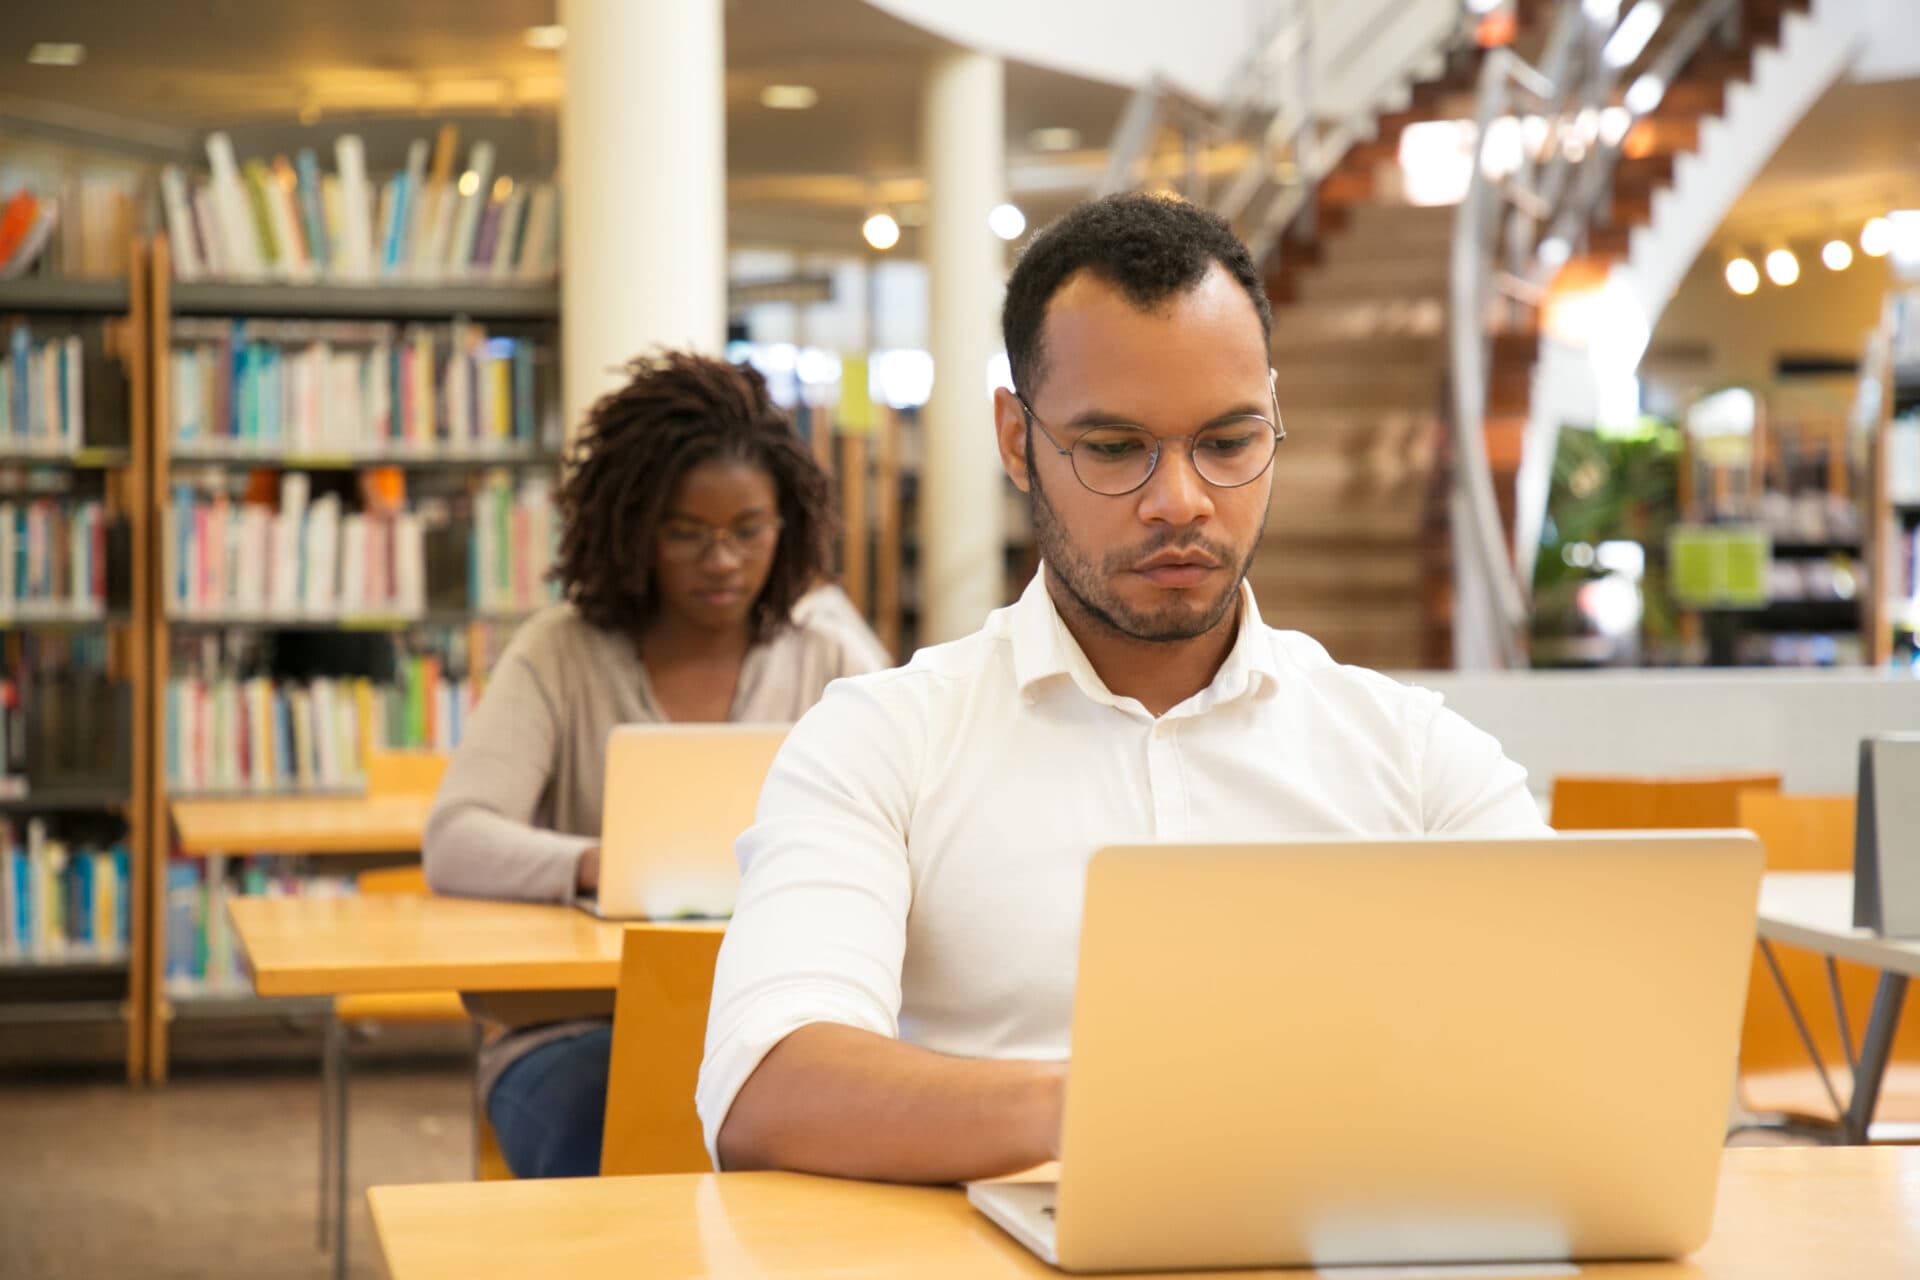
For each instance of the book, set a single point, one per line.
(357, 255)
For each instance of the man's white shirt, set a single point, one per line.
(918, 858)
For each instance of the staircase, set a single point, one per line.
(1359, 551)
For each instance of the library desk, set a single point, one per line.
(411, 942)
(1782, 1212)
(1814, 910)
(378, 823)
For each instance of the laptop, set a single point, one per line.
(1422, 1051)
(676, 798)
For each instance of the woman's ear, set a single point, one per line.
(1010, 434)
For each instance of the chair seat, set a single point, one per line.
(1799, 1091)
(420, 1006)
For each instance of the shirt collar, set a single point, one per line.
(1043, 649)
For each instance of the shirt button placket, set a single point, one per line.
(1163, 781)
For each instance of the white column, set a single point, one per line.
(643, 164)
(962, 573)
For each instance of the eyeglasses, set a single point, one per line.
(690, 543)
(1114, 459)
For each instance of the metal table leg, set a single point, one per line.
(1888, 997)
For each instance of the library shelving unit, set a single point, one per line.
(529, 310)
(90, 774)
(1889, 415)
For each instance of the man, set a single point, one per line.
(894, 994)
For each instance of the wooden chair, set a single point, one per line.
(1812, 833)
(659, 1033)
(1611, 802)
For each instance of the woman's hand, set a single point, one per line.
(586, 876)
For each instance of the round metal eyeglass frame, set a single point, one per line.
(686, 546)
(1159, 446)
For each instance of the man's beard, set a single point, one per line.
(1088, 583)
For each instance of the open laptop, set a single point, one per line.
(677, 796)
(1416, 1051)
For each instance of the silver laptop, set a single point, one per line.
(676, 798)
(1398, 1052)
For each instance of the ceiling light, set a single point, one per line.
(1614, 122)
(1602, 10)
(881, 231)
(1782, 267)
(1644, 94)
(789, 97)
(1629, 39)
(469, 183)
(1056, 138)
(49, 53)
(1876, 238)
(1006, 221)
(1554, 251)
(1742, 276)
(1482, 6)
(550, 36)
(1837, 254)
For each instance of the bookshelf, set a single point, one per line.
(1888, 414)
(456, 580)
(73, 597)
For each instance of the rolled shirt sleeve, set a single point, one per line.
(819, 928)
(1468, 785)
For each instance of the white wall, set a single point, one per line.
(1808, 725)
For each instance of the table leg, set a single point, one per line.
(1874, 1052)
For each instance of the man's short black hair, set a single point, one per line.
(1151, 248)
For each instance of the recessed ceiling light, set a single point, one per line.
(1742, 276)
(1876, 238)
(1837, 254)
(788, 97)
(50, 53)
(1782, 267)
(881, 231)
(1006, 221)
(1057, 138)
(550, 36)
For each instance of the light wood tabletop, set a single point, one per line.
(378, 823)
(1782, 1213)
(391, 942)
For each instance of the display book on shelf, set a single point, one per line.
(73, 812)
(365, 470)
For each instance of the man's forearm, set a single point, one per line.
(836, 1100)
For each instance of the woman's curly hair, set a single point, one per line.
(678, 411)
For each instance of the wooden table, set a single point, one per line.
(1783, 1214)
(407, 942)
(303, 824)
(1814, 910)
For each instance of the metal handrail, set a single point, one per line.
(1511, 235)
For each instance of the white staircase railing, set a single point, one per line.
(1562, 122)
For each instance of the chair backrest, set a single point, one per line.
(1612, 802)
(405, 772)
(407, 879)
(659, 1034)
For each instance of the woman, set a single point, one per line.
(695, 520)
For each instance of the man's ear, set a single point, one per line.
(1010, 434)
